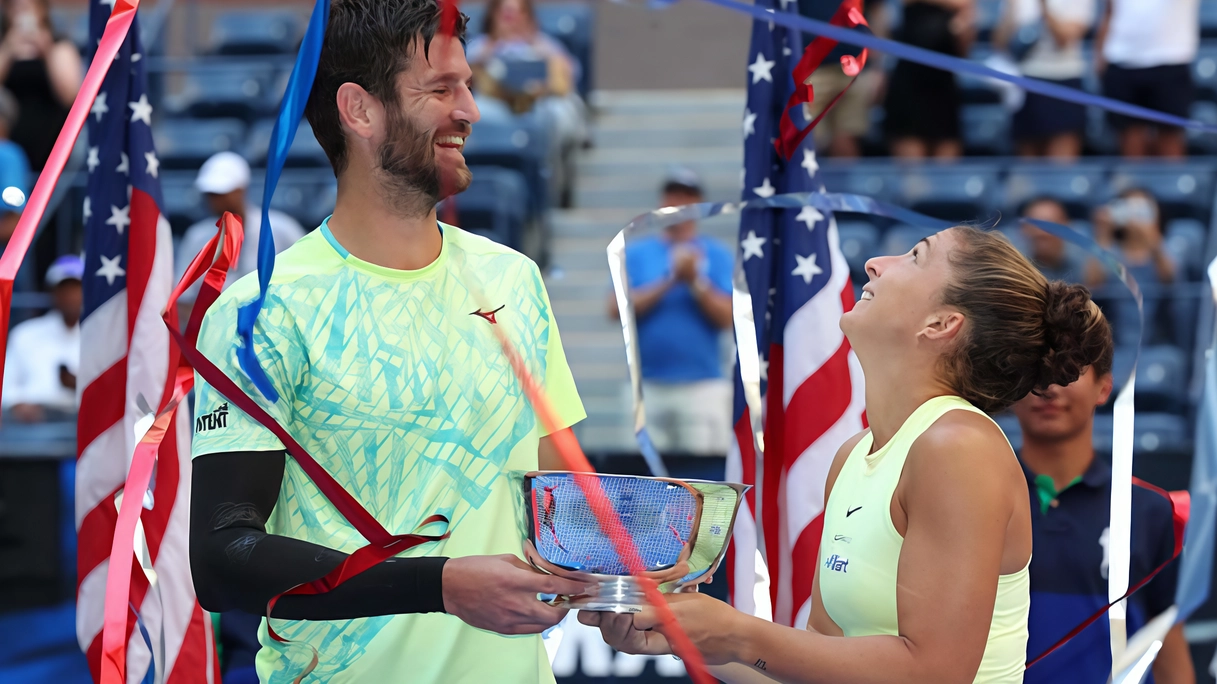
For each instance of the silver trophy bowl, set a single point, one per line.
(680, 529)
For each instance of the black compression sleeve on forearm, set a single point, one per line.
(237, 565)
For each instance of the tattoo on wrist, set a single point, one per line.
(759, 664)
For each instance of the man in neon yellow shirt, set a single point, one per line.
(375, 337)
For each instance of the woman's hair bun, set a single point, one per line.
(1077, 336)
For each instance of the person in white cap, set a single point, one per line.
(44, 353)
(223, 181)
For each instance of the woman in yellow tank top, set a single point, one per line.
(923, 563)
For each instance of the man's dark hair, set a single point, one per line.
(368, 43)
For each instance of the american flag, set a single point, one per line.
(811, 382)
(123, 371)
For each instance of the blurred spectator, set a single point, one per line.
(1131, 226)
(1045, 37)
(680, 284)
(1070, 493)
(42, 71)
(922, 104)
(14, 169)
(43, 354)
(838, 133)
(1050, 254)
(1148, 47)
(223, 181)
(517, 68)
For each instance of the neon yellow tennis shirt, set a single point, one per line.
(396, 384)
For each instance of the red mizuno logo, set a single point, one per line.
(488, 315)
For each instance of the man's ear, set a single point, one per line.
(359, 112)
(943, 326)
(1106, 383)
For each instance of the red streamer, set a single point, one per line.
(111, 40)
(1181, 505)
(179, 384)
(848, 15)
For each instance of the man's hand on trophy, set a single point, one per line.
(499, 593)
(619, 632)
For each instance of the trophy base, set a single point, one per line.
(621, 594)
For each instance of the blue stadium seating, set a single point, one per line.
(237, 90)
(1183, 189)
(522, 146)
(183, 204)
(495, 205)
(1155, 433)
(1185, 241)
(901, 239)
(878, 180)
(986, 129)
(1200, 142)
(958, 192)
(1008, 423)
(303, 194)
(1074, 185)
(256, 32)
(1161, 380)
(859, 242)
(187, 143)
(304, 152)
(1103, 424)
(1208, 19)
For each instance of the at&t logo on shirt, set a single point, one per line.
(837, 563)
(211, 421)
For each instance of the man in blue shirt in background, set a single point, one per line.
(680, 284)
(1070, 493)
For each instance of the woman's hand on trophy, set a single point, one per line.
(711, 625)
(618, 631)
(499, 593)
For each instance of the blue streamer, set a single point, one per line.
(150, 675)
(291, 109)
(958, 65)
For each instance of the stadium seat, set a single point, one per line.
(304, 152)
(859, 241)
(900, 239)
(301, 194)
(571, 23)
(1008, 423)
(256, 32)
(1074, 185)
(1204, 71)
(880, 180)
(1101, 434)
(242, 91)
(495, 205)
(183, 204)
(1208, 20)
(956, 192)
(187, 143)
(521, 146)
(1155, 433)
(1183, 189)
(986, 130)
(1200, 142)
(1185, 241)
(1162, 380)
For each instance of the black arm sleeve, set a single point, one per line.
(237, 565)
